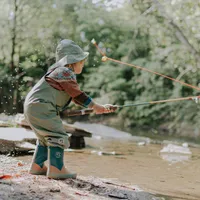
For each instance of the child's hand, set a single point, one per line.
(99, 109)
(107, 108)
(110, 108)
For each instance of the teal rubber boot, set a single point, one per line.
(56, 169)
(39, 157)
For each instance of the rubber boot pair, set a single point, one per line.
(56, 169)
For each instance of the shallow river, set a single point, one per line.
(135, 160)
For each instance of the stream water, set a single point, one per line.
(136, 160)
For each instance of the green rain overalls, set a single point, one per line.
(41, 109)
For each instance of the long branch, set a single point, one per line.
(179, 33)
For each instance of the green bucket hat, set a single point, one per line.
(67, 52)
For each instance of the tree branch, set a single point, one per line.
(179, 34)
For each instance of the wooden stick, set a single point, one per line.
(105, 58)
(76, 113)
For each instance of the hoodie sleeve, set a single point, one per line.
(64, 79)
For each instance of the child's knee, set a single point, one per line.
(62, 142)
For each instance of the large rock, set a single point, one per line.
(75, 131)
(22, 140)
(16, 140)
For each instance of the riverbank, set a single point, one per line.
(111, 162)
(108, 161)
(139, 172)
(17, 184)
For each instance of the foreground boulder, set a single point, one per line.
(15, 141)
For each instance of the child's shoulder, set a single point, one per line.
(65, 70)
(63, 73)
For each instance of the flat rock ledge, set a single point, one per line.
(14, 174)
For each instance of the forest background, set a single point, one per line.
(162, 36)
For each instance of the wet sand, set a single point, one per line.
(138, 165)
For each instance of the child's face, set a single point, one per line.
(78, 67)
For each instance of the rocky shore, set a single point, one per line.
(16, 184)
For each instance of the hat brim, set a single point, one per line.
(86, 54)
(70, 59)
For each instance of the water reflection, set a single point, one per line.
(174, 158)
(175, 153)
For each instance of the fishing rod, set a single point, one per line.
(195, 98)
(89, 111)
(105, 58)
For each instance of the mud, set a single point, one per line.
(17, 184)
